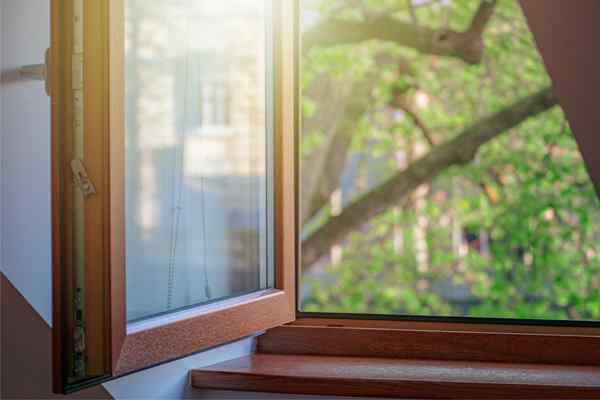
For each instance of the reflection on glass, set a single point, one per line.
(504, 222)
(197, 159)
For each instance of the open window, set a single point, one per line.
(359, 179)
(440, 178)
(173, 127)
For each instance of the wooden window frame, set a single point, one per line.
(571, 343)
(202, 328)
(116, 348)
(447, 341)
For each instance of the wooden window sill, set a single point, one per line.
(397, 378)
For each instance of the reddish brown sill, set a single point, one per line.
(386, 377)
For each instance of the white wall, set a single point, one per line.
(25, 154)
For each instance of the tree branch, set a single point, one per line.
(467, 45)
(481, 18)
(402, 104)
(460, 150)
(339, 110)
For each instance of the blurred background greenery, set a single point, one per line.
(439, 175)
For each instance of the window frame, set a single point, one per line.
(436, 337)
(127, 351)
(117, 348)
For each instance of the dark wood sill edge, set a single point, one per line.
(358, 361)
(399, 378)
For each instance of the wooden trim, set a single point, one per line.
(57, 102)
(178, 339)
(95, 142)
(433, 345)
(116, 203)
(93, 148)
(286, 102)
(384, 377)
(444, 326)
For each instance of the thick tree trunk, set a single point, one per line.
(460, 150)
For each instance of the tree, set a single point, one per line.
(459, 91)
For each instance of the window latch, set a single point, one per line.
(81, 178)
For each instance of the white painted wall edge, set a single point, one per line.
(25, 174)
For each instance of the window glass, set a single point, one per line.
(439, 176)
(197, 152)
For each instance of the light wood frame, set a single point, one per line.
(115, 348)
(128, 351)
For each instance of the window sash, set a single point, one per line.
(114, 347)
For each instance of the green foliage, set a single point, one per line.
(515, 233)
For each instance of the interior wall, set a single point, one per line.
(26, 154)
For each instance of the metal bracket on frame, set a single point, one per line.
(81, 178)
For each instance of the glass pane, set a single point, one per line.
(439, 176)
(197, 152)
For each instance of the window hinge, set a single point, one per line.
(81, 178)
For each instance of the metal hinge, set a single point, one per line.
(81, 178)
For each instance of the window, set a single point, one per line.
(404, 164)
(173, 179)
(448, 181)
(197, 218)
(213, 79)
